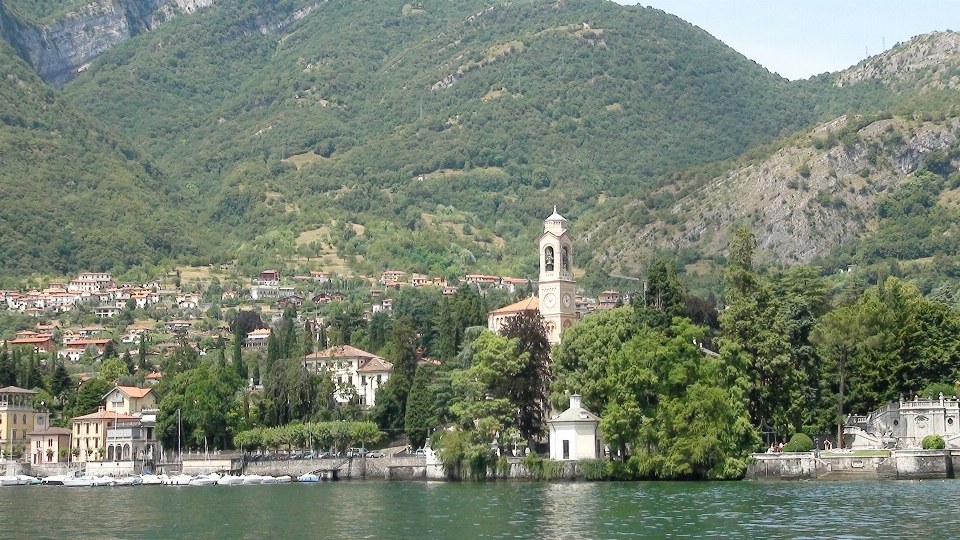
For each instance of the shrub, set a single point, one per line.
(543, 469)
(933, 442)
(593, 469)
(800, 442)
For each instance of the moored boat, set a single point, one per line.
(81, 481)
(129, 481)
(152, 480)
(178, 480)
(205, 480)
(268, 480)
(249, 479)
(56, 480)
(230, 481)
(104, 481)
(309, 477)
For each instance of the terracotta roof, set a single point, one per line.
(375, 364)
(527, 304)
(154, 376)
(26, 341)
(15, 390)
(105, 415)
(342, 351)
(131, 391)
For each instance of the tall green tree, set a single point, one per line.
(529, 386)
(754, 347)
(420, 408)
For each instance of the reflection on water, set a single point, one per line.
(430, 510)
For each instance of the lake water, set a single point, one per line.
(430, 510)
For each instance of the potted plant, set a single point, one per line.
(49, 454)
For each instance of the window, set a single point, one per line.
(39, 420)
(379, 378)
(566, 449)
(88, 428)
(14, 419)
(24, 419)
(363, 380)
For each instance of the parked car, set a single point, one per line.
(376, 454)
(356, 452)
(420, 452)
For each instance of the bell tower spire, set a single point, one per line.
(557, 287)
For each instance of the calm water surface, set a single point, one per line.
(431, 510)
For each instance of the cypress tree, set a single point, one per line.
(8, 375)
(142, 354)
(420, 409)
(236, 356)
(60, 381)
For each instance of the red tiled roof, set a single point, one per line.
(342, 351)
(133, 391)
(527, 304)
(375, 364)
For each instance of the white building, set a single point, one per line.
(904, 424)
(575, 433)
(355, 372)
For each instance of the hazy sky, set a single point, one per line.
(801, 38)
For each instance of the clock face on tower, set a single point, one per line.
(566, 300)
(549, 300)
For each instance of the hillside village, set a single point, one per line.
(89, 319)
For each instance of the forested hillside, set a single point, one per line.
(74, 196)
(505, 110)
(436, 136)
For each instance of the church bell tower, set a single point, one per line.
(558, 291)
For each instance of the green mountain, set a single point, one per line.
(505, 110)
(74, 196)
(436, 136)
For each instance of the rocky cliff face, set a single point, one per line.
(60, 50)
(801, 201)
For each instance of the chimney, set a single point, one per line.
(575, 401)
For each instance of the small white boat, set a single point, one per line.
(82, 481)
(249, 479)
(56, 480)
(268, 480)
(152, 480)
(205, 480)
(129, 481)
(178, 480)
(230, 481)
(104, 481)
(309, 477)
(285, 479)
(9, 481)
(28, 480)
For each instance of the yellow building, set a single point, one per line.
(18, 417)
(90, 433)
(130, 399)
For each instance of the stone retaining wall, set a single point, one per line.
(347, 467)
(899, 465)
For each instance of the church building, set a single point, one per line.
(557, 289)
